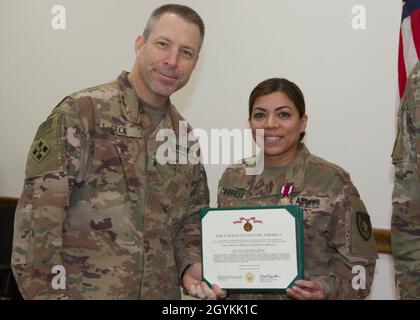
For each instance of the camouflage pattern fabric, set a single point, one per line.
(97, 202)
(405, 230)
(337, 228)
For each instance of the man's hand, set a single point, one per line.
(197, 288)
(307, 290)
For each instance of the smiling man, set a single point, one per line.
(96, 202)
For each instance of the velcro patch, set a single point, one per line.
(308, 203)
(363, 225)
(40, 150)
(44, 153)
(132, 132)
(240, 194)
(45, 127)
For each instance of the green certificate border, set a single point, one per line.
(296, 212)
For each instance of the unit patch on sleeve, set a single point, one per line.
(40, 150)
(363, 225)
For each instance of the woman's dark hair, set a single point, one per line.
(290, 89)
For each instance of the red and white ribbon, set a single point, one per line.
(287, 189)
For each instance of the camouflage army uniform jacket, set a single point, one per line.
(405, 230)
(337, 229)
(97, 202)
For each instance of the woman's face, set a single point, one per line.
(279, 117)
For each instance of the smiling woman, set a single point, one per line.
(337, 229)
(277, 106)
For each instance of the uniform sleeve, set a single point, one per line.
(350, 237)
(42, 209)
(188, 244)
(405, 229)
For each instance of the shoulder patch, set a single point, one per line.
(361, 240)
(44, 153)
(45, 127)
(363, 225)
(40, 150)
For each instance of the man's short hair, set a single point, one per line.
(182, 11)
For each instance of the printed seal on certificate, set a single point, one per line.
(253, 248)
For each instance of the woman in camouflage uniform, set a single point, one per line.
(339, 249)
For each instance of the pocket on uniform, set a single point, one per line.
(399, 153)
(23, 234)
(175, 183)
(132, 182)
(106, 181)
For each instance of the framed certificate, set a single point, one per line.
(255, 248)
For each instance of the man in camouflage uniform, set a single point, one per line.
(337, 229)
(405, 231)
(96, 200)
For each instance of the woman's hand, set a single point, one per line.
(307, 290)
(199, 289)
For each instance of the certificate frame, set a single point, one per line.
(208, 268)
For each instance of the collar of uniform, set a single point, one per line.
(131, 105)
(128, 98)
(257, 186)
(255, 183)
(165, 123)
(146, 122)
(296, 173)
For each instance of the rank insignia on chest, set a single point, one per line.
(40, 150)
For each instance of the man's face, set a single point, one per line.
(167, 58)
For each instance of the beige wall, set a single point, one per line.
(348, 77)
